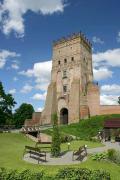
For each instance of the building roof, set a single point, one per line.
(112, 123)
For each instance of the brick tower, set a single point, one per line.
(71, 93)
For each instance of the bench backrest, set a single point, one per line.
(82, 148)
(32, 148)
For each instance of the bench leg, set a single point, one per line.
(73, 158)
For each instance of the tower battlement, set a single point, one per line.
(72, 37)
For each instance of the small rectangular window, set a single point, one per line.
(65, 60)
(64, 74)
(58, 62)
(72, 59)
(65, 88)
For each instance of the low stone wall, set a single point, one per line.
(109, 109)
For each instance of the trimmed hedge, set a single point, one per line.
(63, 174)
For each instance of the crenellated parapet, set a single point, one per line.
(72, 37)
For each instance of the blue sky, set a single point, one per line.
(27, 29)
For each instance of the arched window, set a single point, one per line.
(58, 62)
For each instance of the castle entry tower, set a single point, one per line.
(70, 77)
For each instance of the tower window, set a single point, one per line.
(65, 60)
(72, 58)
(64, 74)
(58, 62)
(65, 88)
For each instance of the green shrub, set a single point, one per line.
(86, 174)
(67, 174)
(55, 147)
(99, 156)
(15, 175)
(114, 156)
(111, 154)
(66, 138)
(117, 157)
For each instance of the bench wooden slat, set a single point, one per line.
(34, 151)
(79, 152)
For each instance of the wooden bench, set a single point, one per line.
(35, 151)
(80, 153)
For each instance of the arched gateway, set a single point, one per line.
(64, 116)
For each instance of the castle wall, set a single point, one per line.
(35, 119)
(109, 109)
(50, 105)
(93, 97)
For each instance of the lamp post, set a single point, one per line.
(68, 146)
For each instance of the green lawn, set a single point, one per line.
(11, 151)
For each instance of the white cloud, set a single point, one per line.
(42, 86)
(107, 58)
(12, 12)
(39, 96)
(97, 40)
(118, 37)
(15, 79)
(15, 66)
(5, 55)
(102, 73)
(41, 72)
(26, 89)
(40, 109)
(108, 99)
(111, 89)
(12, 91)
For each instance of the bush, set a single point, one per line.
(15, 175)
(86, 174)
(55, 147)
(99, 156)
(114, 156)
(66, 138)
(67, 173)
(111, 154)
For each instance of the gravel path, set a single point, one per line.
(65, 159)
(108, 145)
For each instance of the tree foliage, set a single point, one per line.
(55, 149)
(7, 102)
(119, 100)
(24, 112)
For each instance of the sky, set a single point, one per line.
(27, 30)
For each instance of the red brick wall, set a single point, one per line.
(35, 119)
(107, 109)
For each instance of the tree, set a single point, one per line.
(24, 112)
(7, 102)
(55, 148)
(119, 100)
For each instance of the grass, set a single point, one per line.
(85, 129)
(11, 151)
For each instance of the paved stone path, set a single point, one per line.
(66, 158)
(108, 145)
